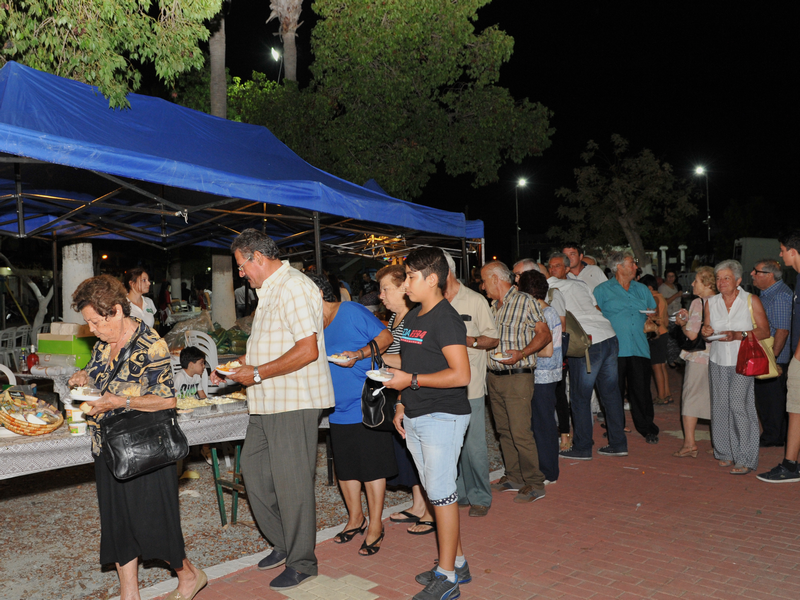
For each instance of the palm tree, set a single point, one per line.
(288, 14)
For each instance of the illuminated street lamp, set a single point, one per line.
(704, 173)
(276, 56)
(522, 182)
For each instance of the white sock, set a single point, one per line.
(460, 561)
(451, 575)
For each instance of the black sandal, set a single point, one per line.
(371, 548)
(430, 524)
(345, 536)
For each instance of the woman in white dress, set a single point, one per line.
(138, 283)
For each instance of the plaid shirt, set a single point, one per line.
(289, 309)
(777, 300)
(516, 319)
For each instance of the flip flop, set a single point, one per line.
(430, 524)
(410, 518)
(739, 470)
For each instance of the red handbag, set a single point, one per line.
(752, 360)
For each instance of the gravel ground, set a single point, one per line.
(50, 530)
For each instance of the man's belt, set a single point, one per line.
(511, 371)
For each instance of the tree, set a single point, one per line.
(101, 43)
(621, 198)
(43, 301)
(288, 14)
(399, 88)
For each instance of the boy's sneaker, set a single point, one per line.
(575, 454)
(527, 495)
(780, 474)
(439, 588)
(462, 573)
(505, 485)
(609, 451)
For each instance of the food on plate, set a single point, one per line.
(500, 355)
(339, 357)
(229, 366)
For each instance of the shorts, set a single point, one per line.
(793, 387)
(435, 441)
(658, 349)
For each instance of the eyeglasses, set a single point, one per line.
(241, 266)
(762, 272)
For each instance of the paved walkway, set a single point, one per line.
(643, 526)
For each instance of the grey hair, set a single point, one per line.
(560, 255)
(770, 265)
(734, 265)
(451, 264)
(251, 241)
(501, 270)
(324, 286)
(615, 259)
(528, 263)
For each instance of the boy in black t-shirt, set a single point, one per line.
(434, 411)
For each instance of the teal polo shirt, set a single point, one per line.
(621, 307)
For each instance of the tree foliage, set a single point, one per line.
(624, 198)
(400, 87)
(102, 42)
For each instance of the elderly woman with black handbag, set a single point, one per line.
(734, 421)
(695, 397)
(139, 516)
(361, 455)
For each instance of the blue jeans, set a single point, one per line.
(603, 358)
(473, 465)
(545, 428)
(435, 441)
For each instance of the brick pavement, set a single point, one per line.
(643, 526)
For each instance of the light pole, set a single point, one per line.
(276, 56)
(521, 182)
(704, 173)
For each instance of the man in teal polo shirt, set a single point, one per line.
(624, 302)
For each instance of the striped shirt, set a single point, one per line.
(289, 309)
(516, 319)
(777, 300)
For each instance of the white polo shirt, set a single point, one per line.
(581, 303)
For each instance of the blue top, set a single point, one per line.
(777, 300)
(795, 322)
(351, 329)
(621, 307)
(548, 368)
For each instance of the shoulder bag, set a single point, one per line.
(578, 340)
(683, 341)
(136, 442)
(377, 410)
(766, 345)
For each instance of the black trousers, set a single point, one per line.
(562, 404)
(634, 375)
(771, 407)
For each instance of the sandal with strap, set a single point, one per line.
(740, 470)
(685, 453)
(370, 549)
(345, 536)
(566, 444)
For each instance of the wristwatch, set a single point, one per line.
(475, 343)
(256, 376)
(414, 385)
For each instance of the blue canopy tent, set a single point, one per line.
(168, 176)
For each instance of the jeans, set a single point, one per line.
(545, 429)
(603, 358)
(434, 441)
(473, 465)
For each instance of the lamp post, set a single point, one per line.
(704, 173)
(521, 182)
(276, 56)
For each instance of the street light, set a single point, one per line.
(704, 173)
(276, 56)
(520, 183)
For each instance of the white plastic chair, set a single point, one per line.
(12, 380)
(7, 338)
(206, 344)
(22, 337)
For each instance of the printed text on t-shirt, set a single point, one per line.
(413, 336)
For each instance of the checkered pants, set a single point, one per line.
(734, 421)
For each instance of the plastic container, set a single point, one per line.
(77, 428)
(74, 414)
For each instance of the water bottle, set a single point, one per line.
(23, 361)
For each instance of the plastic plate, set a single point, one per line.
(503, 357)
(339, 359)
(715, 337)
(647, 312)
(376, 375)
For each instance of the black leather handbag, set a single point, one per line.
(136, 442)
(684, 343)
(377, 410)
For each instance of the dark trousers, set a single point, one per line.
(278, 464)
(634, 375)
(562, 404)
(771, 407)
(545, 430)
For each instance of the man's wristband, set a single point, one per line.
(361, 354)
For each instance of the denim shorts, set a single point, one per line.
(435, 441)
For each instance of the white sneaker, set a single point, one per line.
(548, 482)
(627, 406)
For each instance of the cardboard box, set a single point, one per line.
(77, 329)
(51, 343)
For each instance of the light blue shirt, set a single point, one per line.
(622, 307)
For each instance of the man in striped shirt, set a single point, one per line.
(523, 332)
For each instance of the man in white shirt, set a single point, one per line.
(592, 275)
(603, 359)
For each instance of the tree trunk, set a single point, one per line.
(635, 240)
(290, 56)
(219, 90)
(42, 300)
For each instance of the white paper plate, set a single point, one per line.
(83, 397)
(647, 312)
(714, 338)
(340, 361)
(8, 433)
(224, 371)
(376, 375)
(504, 357)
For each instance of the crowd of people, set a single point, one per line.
(533, 327)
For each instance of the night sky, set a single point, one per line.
(698, 83)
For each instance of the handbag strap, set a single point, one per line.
(122, 357)
(750, 306)
(376, 355)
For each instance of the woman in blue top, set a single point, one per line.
(360, 454)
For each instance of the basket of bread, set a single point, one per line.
(27, 415)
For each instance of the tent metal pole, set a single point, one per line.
(464, 260)
(18, 193)
(56, 279)
(317, 242)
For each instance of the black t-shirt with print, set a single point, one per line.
(421, 346)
